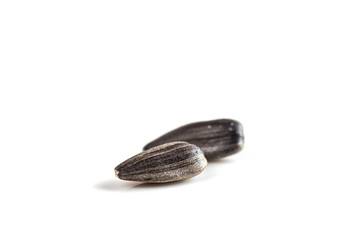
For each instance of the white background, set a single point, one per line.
(84, 85)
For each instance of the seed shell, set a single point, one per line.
(168, 162)
(216, 138)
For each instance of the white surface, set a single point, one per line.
(85, 85)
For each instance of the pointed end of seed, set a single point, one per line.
(116, 173)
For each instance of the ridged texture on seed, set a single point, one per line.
(216, 138)
(169, 162)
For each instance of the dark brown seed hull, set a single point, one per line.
(169, 162)
(217, 138)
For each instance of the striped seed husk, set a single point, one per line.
(216, 138)
(168, 162)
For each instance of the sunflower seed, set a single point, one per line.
(169, 162)
(217, 138)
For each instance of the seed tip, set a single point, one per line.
(116, 173)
